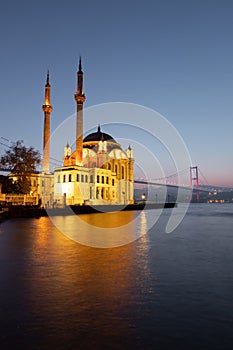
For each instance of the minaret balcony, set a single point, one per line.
(47, 108)
(80, 98)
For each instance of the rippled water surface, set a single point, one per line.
(161, 291)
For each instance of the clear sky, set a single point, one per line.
(173, 56)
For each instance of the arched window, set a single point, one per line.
(98, 179)
(122, 172)
(64, 178)
(70, 177)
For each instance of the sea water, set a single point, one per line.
(160, 291)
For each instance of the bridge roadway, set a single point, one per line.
(144, 182)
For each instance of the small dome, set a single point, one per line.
(99, 136)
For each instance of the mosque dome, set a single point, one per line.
(98, 136)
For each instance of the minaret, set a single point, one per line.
(80, 99)
(47, 108)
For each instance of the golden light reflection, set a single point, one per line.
(143, 227)
(41, 233)
(76, 282)
(108, 220)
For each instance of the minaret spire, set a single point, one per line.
(47, 80)
(80, 65)
(47, 108)
(80, 99)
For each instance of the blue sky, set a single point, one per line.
(173, 56)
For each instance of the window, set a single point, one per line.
(122, 172)
(82, 178)
(102, 179)
(58, 178)
(116, 169)
(107, 180)
(113, 182)
(86, 178)
(98, 179)
(91, 179)
(109, 166)
(64, 178)
(77, 178)
(70, 177)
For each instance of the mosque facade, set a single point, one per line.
(97, 172)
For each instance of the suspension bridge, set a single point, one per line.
(190, 176)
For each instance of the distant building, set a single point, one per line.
(42, 189)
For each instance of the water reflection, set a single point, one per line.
(84, 289)
(103, 230)
(143, 226)
(109, 220)
(58, 294)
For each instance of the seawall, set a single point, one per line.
(4, 215)
(28, 212)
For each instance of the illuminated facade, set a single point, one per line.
(98, 172)
(42, 188)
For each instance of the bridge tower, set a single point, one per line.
(47, 108)
(194, 179)
(80, 99)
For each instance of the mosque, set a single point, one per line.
(97, 172)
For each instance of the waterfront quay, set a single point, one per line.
(19, 211)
